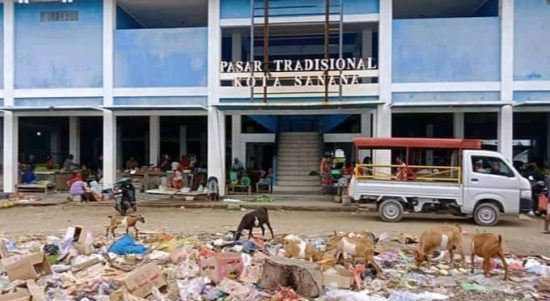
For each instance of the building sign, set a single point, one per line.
(307, 67)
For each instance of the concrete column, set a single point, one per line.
(383, 130)
(236, 149)
(154, 139)
(11, 151)
(214, 51)
(109, 26)
(183, 139)
(505, 131)
(385, 50)
(216, 146)
(236, 45)
(507, 50)
(109, 148)
(458, 125)
(74, 138)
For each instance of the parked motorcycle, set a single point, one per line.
(540, 196)
(124, 195)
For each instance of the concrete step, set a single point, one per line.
(296, 189)
(296, 172)
(298, 139)
(283, 177)
(298, 134)
(305, 166)
(300, 183)
(296, 169)
(299, 155)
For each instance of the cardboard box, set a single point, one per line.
(26, 267)
(19, 294)
(140, 282)
(253, 272)
(338, 277)
(221, 266)
(36, 291)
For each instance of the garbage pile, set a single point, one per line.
(163, 266)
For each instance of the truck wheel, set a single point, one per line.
(391, 210)
(486, 214)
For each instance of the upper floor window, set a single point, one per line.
(59, 16)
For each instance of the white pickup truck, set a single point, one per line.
(482, 186)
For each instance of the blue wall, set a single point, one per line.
(241, 8)
(59, 101)
(411, 97)
(532, 40)
(161, 101)
(454, 49)
(522, 96)
(124, 20)
(64, 54)
(161, 57)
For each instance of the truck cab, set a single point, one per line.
(472, 182)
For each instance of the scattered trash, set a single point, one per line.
(164, 266)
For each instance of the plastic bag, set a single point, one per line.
(127, 245)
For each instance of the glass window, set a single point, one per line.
(492, 166)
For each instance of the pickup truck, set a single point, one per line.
(481, 185)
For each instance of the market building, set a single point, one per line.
(122, 78)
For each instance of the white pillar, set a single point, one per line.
(505, 131)
(236, 45)
(183, 139)
(11, 124)
(154, 139)
(109, 148)
(236, 149)
(385, 50)
(507, 50)
(109, 25)
(74, 138)
(216, 146)
(11, 145)
(383, 130)
(458, 125)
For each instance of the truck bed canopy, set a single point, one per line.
(424, 143)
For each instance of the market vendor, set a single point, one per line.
(185, 162)
(165, 163)
(132, 164)
(28, 176)
(69, 163)
(177, 180)
(49, 163)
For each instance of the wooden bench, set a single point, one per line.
(35, 188)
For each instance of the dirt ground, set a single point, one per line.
(520, 237)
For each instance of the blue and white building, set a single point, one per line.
(123, 78)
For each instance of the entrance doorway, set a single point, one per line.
(300, 123)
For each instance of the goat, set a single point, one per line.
(255, 219)
(126, 221)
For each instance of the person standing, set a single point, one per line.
(326, 178)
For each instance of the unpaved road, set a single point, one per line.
(520, 237)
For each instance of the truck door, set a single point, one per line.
(488, 176)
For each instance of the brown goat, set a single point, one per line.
(126, 221)
(442, 239)
(487, 246)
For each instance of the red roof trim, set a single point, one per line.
(387, 143)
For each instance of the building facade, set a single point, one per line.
(121, 78)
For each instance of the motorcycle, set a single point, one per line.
(124, 195)
(540, 196)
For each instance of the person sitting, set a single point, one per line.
(28, 176)
(165, 163)
(78, 188)
(132, 164)
(238, 167)
(95, 191)
(69, 164)
(478, 167)
(404, 173)
(49, 163)
(185, 162)
(76, 177)
(177, 180)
